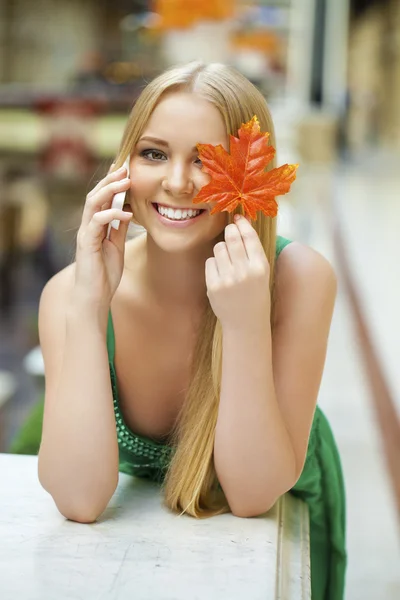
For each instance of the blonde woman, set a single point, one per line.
(213, 329)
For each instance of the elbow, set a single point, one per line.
(84, 515)
(247, 511)
(260, 503)
(256, 496)
(80, 509)
(82, 512)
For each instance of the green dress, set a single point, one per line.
(321, 484)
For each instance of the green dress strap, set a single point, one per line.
(110, 339)
(281, 243)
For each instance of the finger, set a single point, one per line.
(250, 238)
(212, 275)
(103, 197)
(118, 236)
(110, 177)
(234, 242)
(223, 260)
(96, 227)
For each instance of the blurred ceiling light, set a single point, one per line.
(178, 14)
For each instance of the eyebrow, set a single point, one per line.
(160, 142)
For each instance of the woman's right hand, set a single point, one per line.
(100, 261)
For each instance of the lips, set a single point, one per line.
(177, 223)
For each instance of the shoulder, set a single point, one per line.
(298, 260)
(304, 281)
(55, 296)
(60, 283)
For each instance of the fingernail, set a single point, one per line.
(236, 217)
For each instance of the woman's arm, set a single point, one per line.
(270, 386)
(78, 457)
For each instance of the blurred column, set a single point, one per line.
(334, 78)
(317, 80)
(366, 78)
(300, 52)
(390, 66)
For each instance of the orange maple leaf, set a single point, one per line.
(240, 177)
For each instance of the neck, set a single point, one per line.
(175, 281)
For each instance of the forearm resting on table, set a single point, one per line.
(253, 454)
(78, 457)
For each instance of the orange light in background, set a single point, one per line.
(264, 41)
(185, 13)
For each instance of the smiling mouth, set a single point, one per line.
(177, 214)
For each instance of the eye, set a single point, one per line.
(198, 162)
(155, 155)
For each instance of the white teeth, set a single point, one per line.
(178, 214)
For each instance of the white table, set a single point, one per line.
(138, 550)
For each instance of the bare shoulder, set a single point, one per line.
(299, 260)
(53, 303)
(304, 281)
(60, 284)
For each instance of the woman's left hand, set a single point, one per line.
(237, 278)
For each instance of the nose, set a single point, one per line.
(178, 180)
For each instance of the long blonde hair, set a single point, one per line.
(191, 483)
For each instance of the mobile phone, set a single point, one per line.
(118, 202)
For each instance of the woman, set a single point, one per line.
(215, 345)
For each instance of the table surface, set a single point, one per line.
(138, 549)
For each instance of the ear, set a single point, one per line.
(127, 163)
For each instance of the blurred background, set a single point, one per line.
(330, 71)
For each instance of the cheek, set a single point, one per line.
(142, 186)
(200, 179)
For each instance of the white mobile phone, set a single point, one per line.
(118, 202)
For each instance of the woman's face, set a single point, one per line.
(166, 173)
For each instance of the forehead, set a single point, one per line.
(185, 116)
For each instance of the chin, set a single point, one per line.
(180, 243)
(200, 233)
